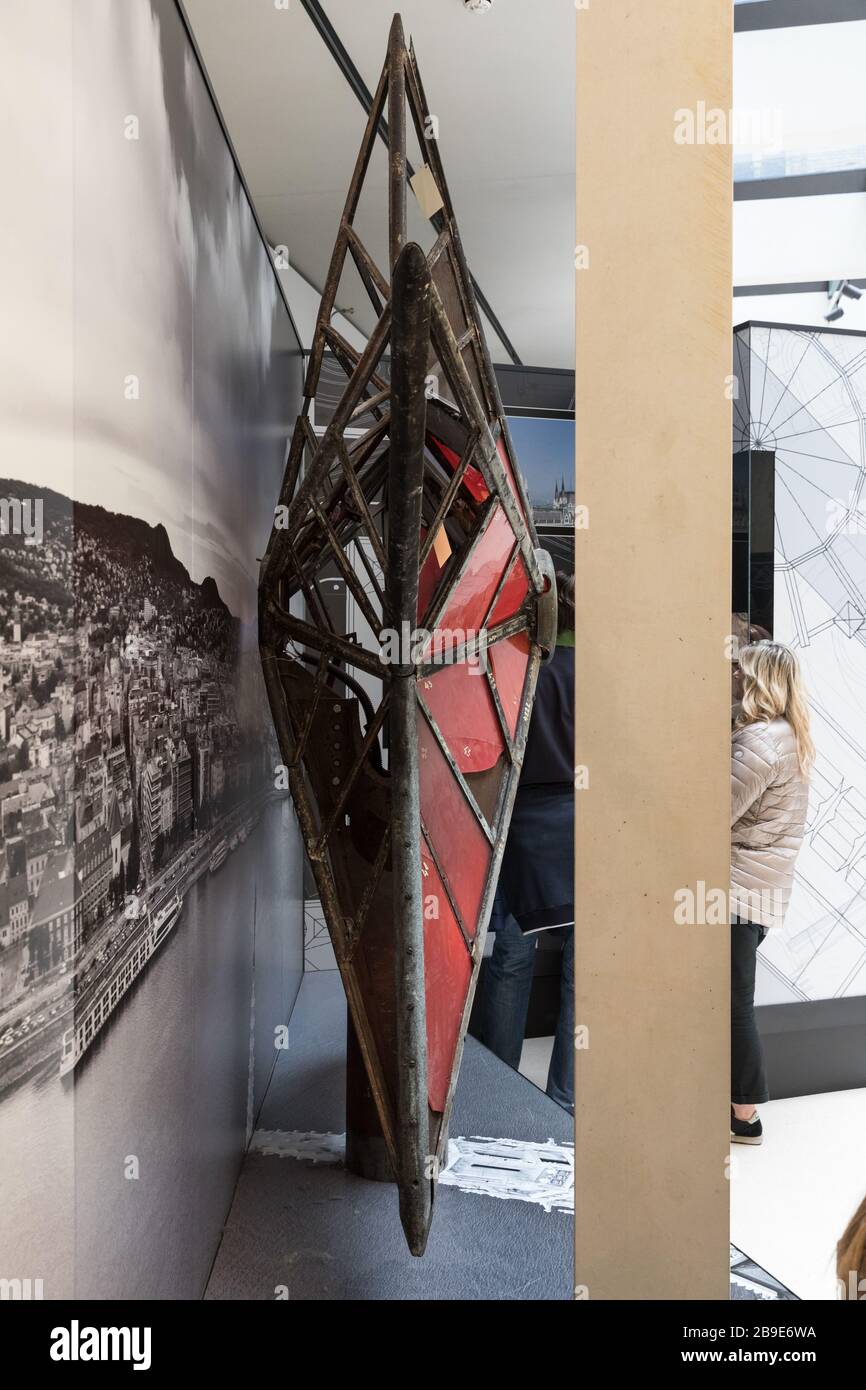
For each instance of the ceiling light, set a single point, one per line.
(478, 5)
(835, 290)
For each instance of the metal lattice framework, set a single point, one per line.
(403, 761)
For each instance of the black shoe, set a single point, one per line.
(746, 1131)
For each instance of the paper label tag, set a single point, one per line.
(441, 547)
(426, 190)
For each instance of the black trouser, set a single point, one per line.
(748, 1078)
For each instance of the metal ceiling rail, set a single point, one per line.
(794, 287)
(829, 181)
(785, 14)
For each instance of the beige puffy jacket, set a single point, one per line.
(769, 799)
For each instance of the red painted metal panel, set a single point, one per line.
(455, 835)
(514, 591)
(473, 480)
(508, 661)
(459, 699)
(447, 971)
(473, 594)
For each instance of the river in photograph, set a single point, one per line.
(106, 1183)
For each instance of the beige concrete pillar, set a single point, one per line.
(653, 693)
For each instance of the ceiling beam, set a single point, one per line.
(793, 287)
(785, 14)
(801, 185)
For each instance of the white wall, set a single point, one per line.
(786, 240)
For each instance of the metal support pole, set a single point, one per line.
(410, 300)
(396, 140)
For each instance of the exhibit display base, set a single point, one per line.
(303, 1226)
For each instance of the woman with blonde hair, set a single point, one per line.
(771, 756)
(851, 1257)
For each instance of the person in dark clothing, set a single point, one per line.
(536, 883)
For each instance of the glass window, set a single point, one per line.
(798, 100)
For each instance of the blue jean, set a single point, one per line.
(507, 985)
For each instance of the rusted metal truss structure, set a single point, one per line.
(404, 737)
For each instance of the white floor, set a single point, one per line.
(792, 1197)
(535, 1060)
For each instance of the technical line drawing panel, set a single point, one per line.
(802, 396)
